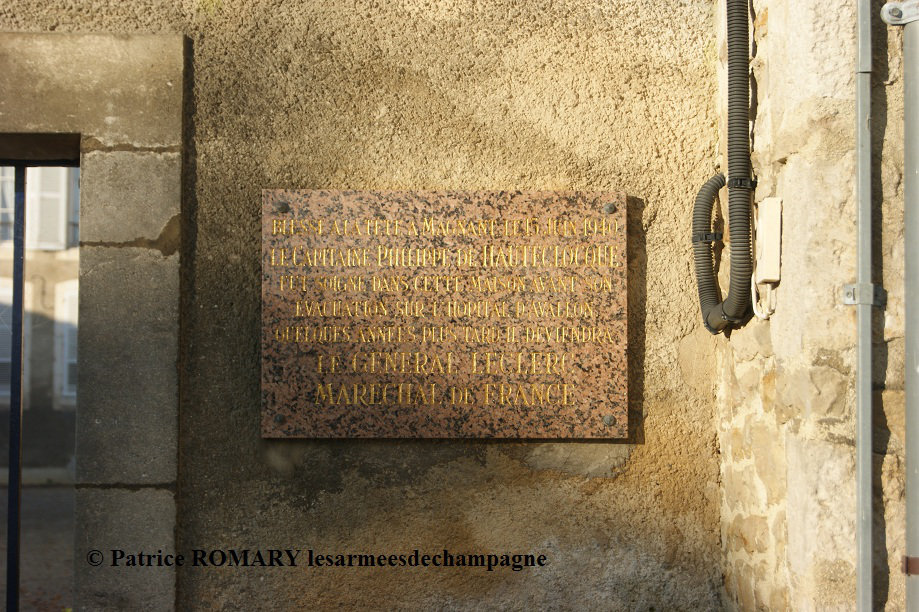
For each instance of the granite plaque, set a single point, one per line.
(444, 314)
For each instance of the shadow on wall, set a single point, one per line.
(637, 299)
(880, 428)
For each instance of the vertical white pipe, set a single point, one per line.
(911, 295)
(863, 309)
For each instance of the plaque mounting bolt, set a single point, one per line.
(609, 420)
(280, 419)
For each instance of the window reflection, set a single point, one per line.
(49, 373)
(51, 295)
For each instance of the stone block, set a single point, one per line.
(820, 528)
(768, 387)
(128, 195)
(779, 529)
(745, 596)
(804, 35)
(118, 89)
(768, 450)
(751, 533)
(738, 445)
(752, 340)
(128, 390)
(131, 521)
(810, 316)
(778, 598)
(124, 289)
(749, 374)
(816, 392)
(740, 489)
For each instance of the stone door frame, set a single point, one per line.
(121, 96)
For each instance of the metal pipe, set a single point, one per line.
(911, 296)
(864, 290)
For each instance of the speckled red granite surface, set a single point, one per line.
(444, 314)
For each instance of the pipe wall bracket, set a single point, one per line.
(864, 293)
(900, 13)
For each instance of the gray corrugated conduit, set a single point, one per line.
(716, 314)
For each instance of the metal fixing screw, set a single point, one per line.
(900, 13)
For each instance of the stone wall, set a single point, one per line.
(447, 95)
(736, 485)
(786, 416)
(120, 100)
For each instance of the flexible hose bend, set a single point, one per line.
(717, 315)
(709, 296)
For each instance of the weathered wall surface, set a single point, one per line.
(786, 420)
(442, 95)
(122, 97)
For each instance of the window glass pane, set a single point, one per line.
(51, 222)
(66, 331)
(6, 329)
(6, 339)
(7, 178)
(49, 375)
(5, 376)
(47, 206)
(73, 233)
(72, 377)
(7, 202)
(51, 180)
(6, 226)
(6, 187)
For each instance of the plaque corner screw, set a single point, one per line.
(610, 208)
(279, 419)
(609, 420)
(282, 207)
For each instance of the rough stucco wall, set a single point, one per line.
(444, 95)
(786, 420)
